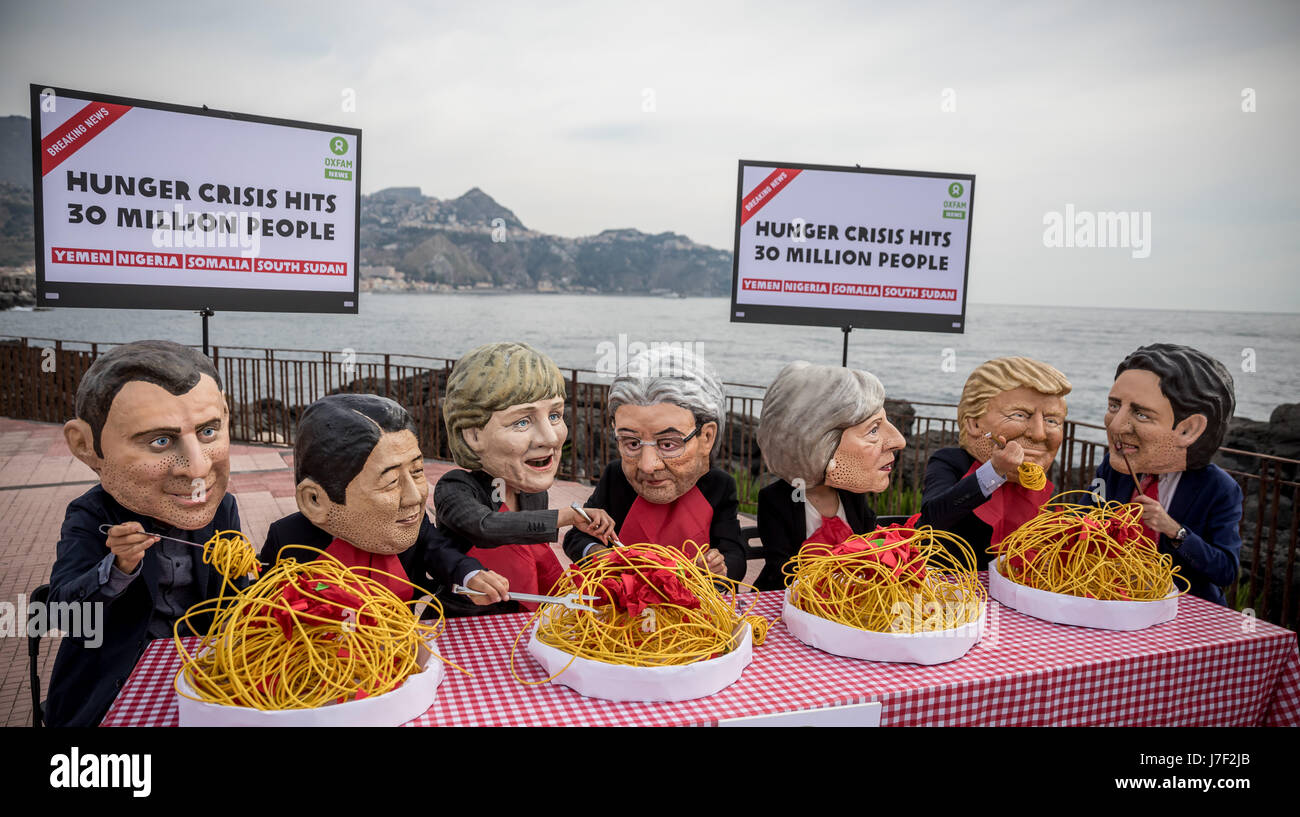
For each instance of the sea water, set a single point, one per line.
(581, 331)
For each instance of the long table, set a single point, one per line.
(1208, 667)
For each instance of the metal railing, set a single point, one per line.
(266, 390)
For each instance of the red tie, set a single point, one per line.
(1151, 488)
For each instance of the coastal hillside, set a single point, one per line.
(414, 242)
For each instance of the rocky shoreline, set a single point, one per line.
(17, 287)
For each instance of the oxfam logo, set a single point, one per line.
(955, 190)
(338, 145)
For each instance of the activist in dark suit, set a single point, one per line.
(504, 413)
(361, 497)
(1012, 411)
(782, 526)
(151, 421)
(432, 563)
(1166, 415)
(824, 430)
(668, 408)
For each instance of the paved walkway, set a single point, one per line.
(39, 477)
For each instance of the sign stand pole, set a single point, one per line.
(206, 312)
(844, 360)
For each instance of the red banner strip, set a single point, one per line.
(81, 255)
(193, 261)
(148, 258)
(296, 267)
(838, 288)
(766, 191)
(69, 137)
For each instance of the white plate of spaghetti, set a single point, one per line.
(896, 594)
(310, 644)
(664, 628)
(1086, 566)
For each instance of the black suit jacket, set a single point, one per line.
(615, 495)
(949, 499)
(430, 563)
(469, 518)
(783, 529)
(85, 679)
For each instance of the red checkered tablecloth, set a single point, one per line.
(1208, 667)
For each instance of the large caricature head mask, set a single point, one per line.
(1168, 409)
(152, 423)
(360, 473)
(1016, 398)
(504, 412)
(667, 404)
(826, 424)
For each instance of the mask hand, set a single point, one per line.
(128, 542)
(494, 586)
(712, 561)
(601, 525)
(1156, 517)
(1007, 459)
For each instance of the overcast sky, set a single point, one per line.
(586, 116)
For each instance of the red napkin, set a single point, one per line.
(832, 532)
(317, 598)
(633, 590)
(885, 549)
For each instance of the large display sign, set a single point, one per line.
(148, 205)
(847, 246)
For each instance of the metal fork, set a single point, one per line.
(570, 601)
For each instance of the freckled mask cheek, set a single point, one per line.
(981, 448)
(1160, 456)
(371, 528)
(151, 489)
(855, 471)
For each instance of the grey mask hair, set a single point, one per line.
(670, 373)
(805, 412)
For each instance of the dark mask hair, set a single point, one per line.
(336, 435)
(1193, 383)
(167, 365)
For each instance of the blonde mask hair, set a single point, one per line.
(489, 379)
(1004, 374)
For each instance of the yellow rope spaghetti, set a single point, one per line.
(1032, 476)
(1097, 552)
(305, 635)
(231, 554)
(665, 634)
(902, 580)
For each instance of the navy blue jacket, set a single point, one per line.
(85, 680)
(1207, 503)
